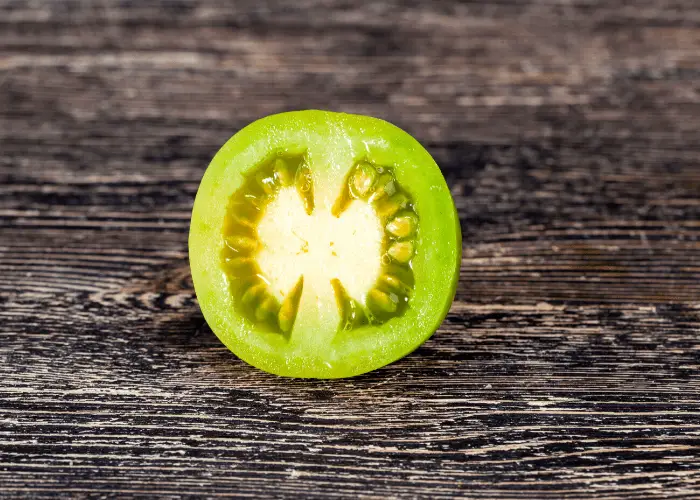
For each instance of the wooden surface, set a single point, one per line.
(569, 132)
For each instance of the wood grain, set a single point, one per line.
(569, 365)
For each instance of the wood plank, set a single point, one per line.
(568, 365)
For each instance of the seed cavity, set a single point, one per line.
(402, 226)
(267, 182)
(242, 244)
(365, 182)
(252, 295)
(386, 186)
(283, 172)
(268, 308)
(240, 266)
(377, 185)
(244, 211)
(305, 187)
(387, 206)
(381, 302)
(238, 224)
(401, 251)
(393, 283)
(404, 274)
(351, 312)
(362, 180)
(290, 306)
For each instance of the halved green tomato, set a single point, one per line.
(323, 245)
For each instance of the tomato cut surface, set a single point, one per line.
(323, 244)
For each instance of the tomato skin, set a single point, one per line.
(328, 135)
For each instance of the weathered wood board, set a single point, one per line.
(569, 132)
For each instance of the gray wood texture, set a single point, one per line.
(568, 367)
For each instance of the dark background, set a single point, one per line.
(568, 367)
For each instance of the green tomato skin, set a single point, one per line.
(331, 136)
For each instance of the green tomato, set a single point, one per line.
(323, 245)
